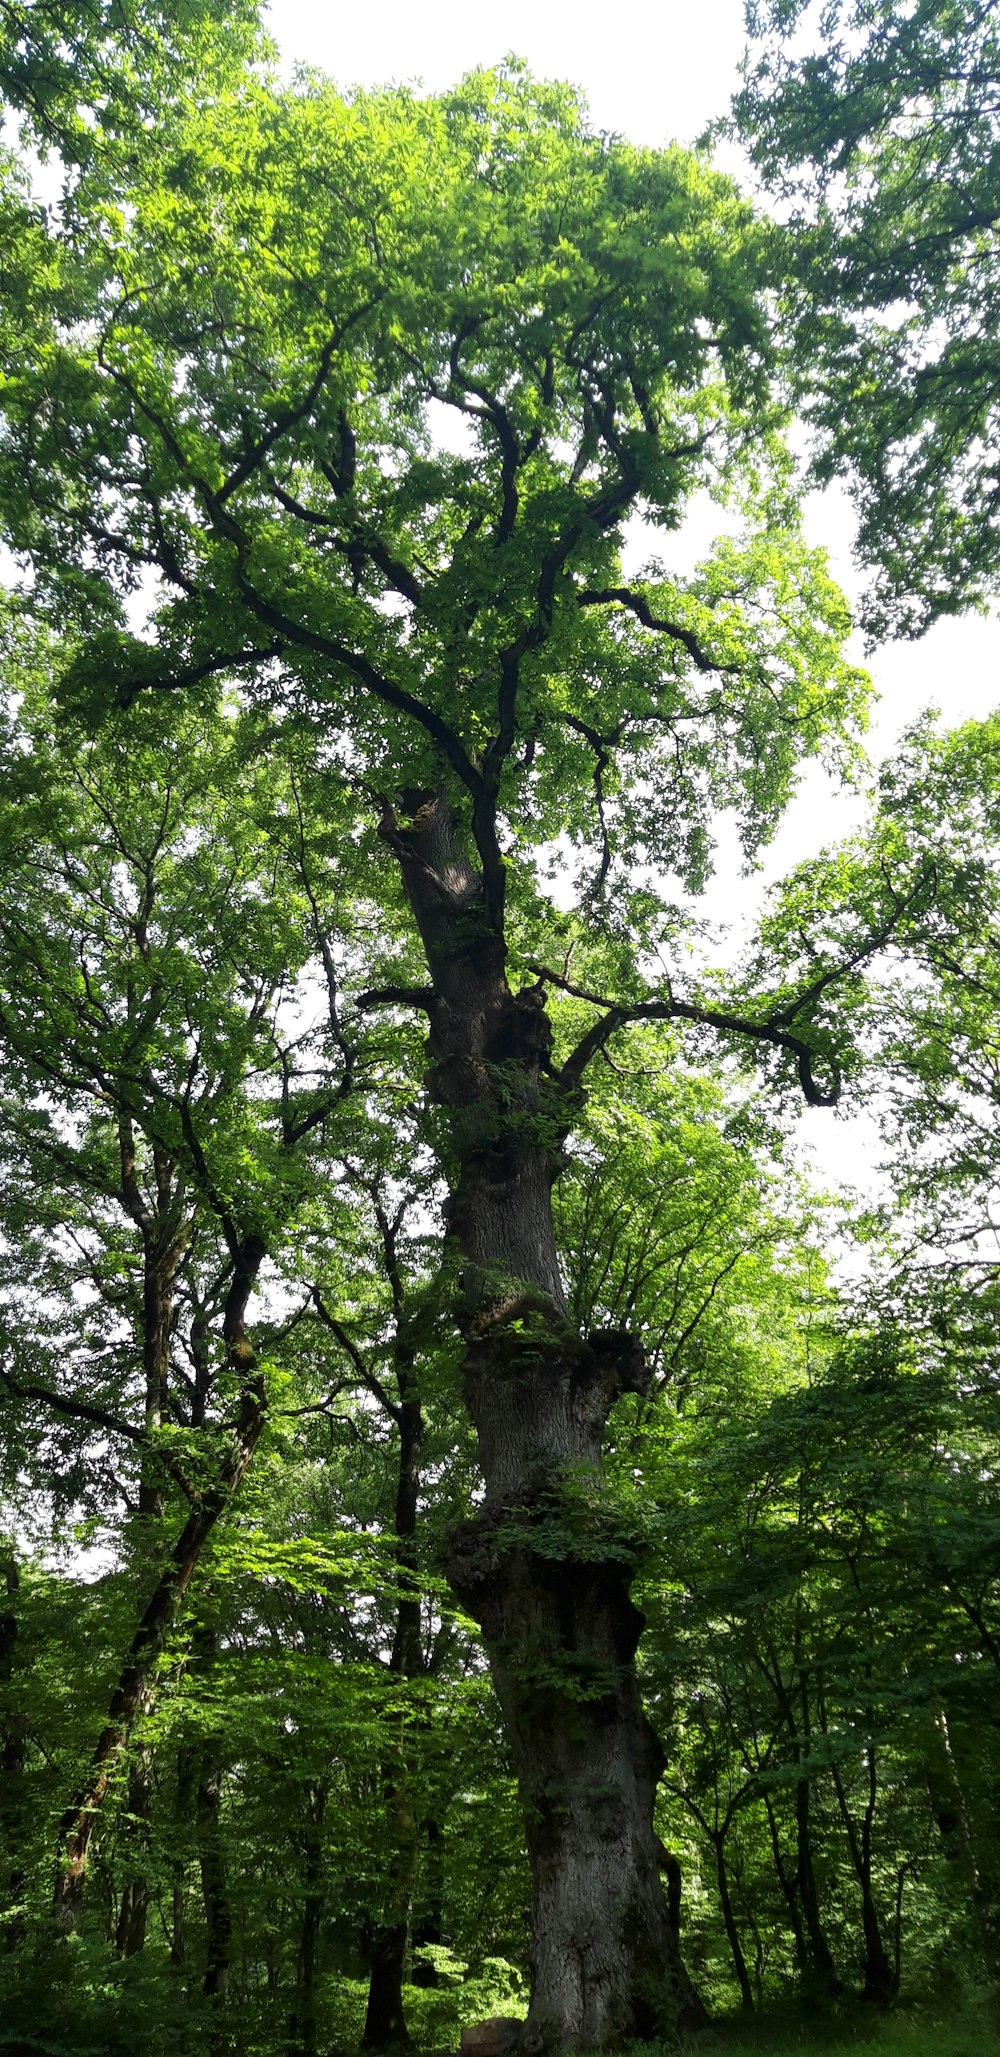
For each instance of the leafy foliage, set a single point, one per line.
(877, 126)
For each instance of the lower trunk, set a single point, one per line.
(732, 1932)
(561, 1635)
(13, 1738)
(787, 1885)
(135, 1682)
(385, 2022)
(302, 2029)
(212, 1862)
(824, 1971)
(134, 1685)
(428, 1928)
(178, 1943)
(878, 1983)
(130, 1937)
(186, 1785)
(130, 1934)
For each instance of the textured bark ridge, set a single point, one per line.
(561, 1637)
(544, 1568)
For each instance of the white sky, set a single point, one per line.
(656, 73)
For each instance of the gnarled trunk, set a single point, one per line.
(544, 1567)
(561, 1637)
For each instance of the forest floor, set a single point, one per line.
(968, 2028)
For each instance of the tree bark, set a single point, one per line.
(878, 1983)
(821, 1975)
(385, 2017)
(162, 1235)
(545, 1566)
(303, 2027)
(428, 1929)
(130, 1936)
(787, 1885)
(729, 1919)
(212, 1864)
(824, 1970)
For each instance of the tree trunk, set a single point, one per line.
(787, 1885)
(878, 1984)
(212, 1863)
(302, 2029)
(545, 1566)
(385, 2018)
(185, 1788)
(824, 1970)
(729, 1918)
(429, 1927)
(135, 1682)
(821, 1976)
(130, 1936)
(13, 1733)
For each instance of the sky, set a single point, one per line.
(657, 73)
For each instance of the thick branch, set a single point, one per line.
(76, 1410)
(347, 1344)
(617, 1013)
(396, 996)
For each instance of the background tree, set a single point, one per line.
(876, 127)
(163, 1124)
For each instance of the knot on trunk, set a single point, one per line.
(522, 1031)
(622, 1359)
(540, 1395)
(559, 1563)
